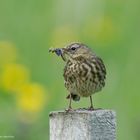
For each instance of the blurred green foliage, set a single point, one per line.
(31, 82)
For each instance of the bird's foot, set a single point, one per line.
(91, 108)
(69, 109)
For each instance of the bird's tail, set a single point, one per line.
(74, 97)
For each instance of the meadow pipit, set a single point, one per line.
(84, 72)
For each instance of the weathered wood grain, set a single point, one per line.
(83, 125)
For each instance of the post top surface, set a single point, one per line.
(82, 111)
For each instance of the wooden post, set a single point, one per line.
(83, 125)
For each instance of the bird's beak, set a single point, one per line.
(64, 52)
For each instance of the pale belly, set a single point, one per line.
(82, 87)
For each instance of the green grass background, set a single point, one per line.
(110, 28)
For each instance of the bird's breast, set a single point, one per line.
(82, 78)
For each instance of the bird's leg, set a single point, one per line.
(91, 104)
(70, 102)
(69, 108)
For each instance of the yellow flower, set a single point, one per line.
(8, 53)
(31, 98)
(14, 76)
(64, 35)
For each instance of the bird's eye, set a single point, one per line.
(73, 48)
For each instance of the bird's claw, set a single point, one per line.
(69, 109)
(94, 109)
(91, 108)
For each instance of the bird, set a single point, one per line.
(84, 72)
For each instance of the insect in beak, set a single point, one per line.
(58, 52)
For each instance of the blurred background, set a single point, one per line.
(31, 81)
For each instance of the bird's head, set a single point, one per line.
(76, 50)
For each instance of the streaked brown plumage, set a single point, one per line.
(84, 72)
